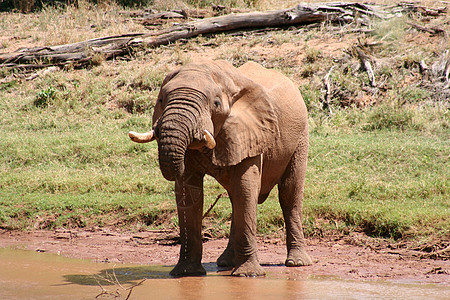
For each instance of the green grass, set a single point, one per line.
(390, 183)
(75, 169)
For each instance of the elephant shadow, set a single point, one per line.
(130, 275)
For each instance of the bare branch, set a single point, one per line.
(431, 30)
(327, 97)
(365, 63)
(213, 204)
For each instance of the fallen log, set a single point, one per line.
(159, 18)
(432, 30)
(113, 46)
(286, 17)
(70, 53)
(413, 7)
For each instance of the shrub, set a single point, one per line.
(386, 117)
(45, 97)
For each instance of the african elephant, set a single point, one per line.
(246, 127)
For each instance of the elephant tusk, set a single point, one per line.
(142, 137)
(209, 139)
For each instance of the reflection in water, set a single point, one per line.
(26, 274)
(122, 275)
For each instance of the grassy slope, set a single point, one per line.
(66, 159)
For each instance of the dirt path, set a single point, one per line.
(355, 257)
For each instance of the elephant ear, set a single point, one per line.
(251, 127)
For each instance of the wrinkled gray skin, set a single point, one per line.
(259, 122)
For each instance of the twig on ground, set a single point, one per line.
(106, 292)
(133, 286)
(440, 254)
(116, 282)
(213, 204)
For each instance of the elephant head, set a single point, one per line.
(210, 105)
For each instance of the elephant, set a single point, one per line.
(247, 127)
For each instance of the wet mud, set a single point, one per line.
(345, 257)
(26, 274)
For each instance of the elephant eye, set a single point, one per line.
(217, 103)
(160, 100)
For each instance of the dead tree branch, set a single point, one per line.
(431, 30)
(328, 92)
(285, 17)
(213, 204)
(415, 8)
(441, 68)
(366, 65)
(77, 53)
(437, 77)
(84, 53)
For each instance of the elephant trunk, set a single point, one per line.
(178, 126)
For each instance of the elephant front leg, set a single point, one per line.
(245, 187)
(189, 195)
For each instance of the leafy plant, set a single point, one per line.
(45, 97)
(5, 86)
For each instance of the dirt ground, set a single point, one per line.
(347, 257)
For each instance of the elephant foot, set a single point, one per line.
(297, 258)
(188, 269)
(250, 268)
(226, 259)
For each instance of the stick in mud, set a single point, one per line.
(213, 204)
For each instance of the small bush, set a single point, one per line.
(413, 94)
(5, 86)
(312, 54)
(135, 103)
(311, 97)
(385, 117)
(45, 97)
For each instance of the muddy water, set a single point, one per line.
(32, 275)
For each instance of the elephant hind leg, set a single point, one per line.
(227, 258)
(291, 200)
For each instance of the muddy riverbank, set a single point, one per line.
(345, 257)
